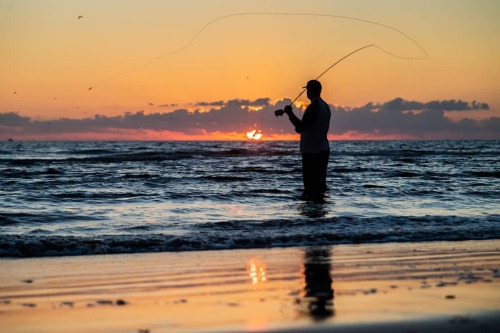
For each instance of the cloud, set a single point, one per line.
(217, 103)
(242, 102)
(399, 104)
(260, 102)
(13, 119)
(168, 105)
(398, 117)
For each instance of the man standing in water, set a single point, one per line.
(314, 146)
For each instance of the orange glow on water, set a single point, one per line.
(257, 272)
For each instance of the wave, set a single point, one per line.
(485, 174)
(186, 155)
(257, 234)
(227, 179)
(88, 195)
(145, 156)
(108, 152)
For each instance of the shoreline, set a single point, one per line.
(386, 287)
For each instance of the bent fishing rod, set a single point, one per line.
(280, 112)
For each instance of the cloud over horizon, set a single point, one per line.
(392, 119)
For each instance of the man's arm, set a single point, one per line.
(309, 117)
(293, 118)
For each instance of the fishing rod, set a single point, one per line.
(280, 112)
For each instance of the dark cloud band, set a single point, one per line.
(395, 117)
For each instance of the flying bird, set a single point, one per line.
(89, 89)
(80, 17)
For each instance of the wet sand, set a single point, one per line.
(412, 287)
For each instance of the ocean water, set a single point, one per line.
(74, 198)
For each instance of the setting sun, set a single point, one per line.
(254, 135)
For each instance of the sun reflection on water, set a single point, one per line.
(257, 272)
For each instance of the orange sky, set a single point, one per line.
(49, 58)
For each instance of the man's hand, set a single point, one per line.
(280, 112)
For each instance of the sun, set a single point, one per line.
(254, 135)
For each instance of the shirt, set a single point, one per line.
(313, 127)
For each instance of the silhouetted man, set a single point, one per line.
(314, 146)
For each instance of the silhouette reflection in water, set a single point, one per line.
(313, 210)
(318, 291)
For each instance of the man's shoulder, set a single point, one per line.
(315, 103)
(320, 103)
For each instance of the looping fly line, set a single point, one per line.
(303, 14)
(195, 37)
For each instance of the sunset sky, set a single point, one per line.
(239, 69)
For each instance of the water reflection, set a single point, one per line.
(256, 271)
(318, 291)
(313, 209)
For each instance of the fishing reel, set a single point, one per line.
(279, 112)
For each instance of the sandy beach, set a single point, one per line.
(392, 287)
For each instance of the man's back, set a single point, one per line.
(316, 122)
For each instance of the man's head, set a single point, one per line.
(313, 89)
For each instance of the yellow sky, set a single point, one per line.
(49, 58)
